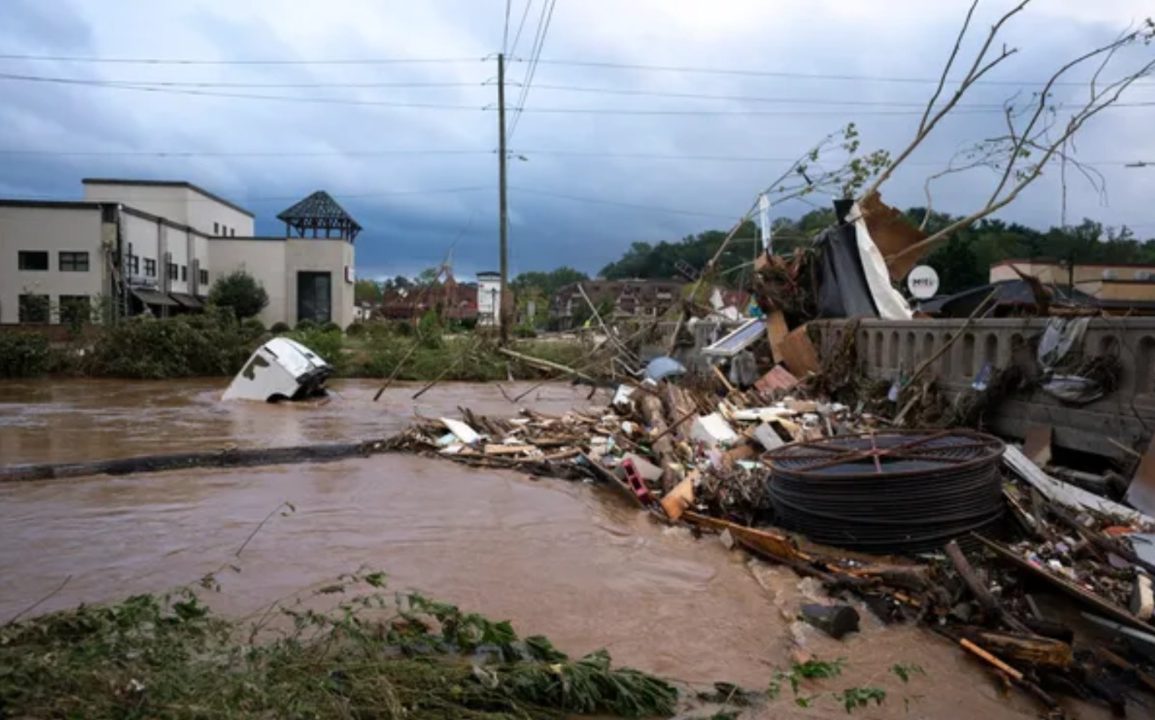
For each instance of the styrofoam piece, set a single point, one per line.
(713, 430)
(463, 432)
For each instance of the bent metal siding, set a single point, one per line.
(1125, 416)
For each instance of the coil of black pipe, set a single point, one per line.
(889, 492)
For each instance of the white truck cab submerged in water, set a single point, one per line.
(281, 369)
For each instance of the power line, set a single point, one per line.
(229, 84)
(520, 26)
(337, 195)
(786, 73)
(195, 61)
(532, 68)
(790, 100)
(162, 89)
(615, 203)
(212, 93)
(183, 154)
(505, 31)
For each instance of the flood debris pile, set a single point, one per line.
(371, 656)
(1046, 583)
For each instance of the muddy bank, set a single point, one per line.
(79, 420)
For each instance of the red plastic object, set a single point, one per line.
(634, 478)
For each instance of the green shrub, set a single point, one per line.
(331, 327)
(211, 344)
(306, 324)
(429, 330)
(253, 328)
(24, 355)
(524, 331)
(241, 292)
(279, 328)
(355, 329)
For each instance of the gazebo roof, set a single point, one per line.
(320, 211)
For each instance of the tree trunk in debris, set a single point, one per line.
(979, 588)
(679, 404)
(655, 417)
(1024, 649)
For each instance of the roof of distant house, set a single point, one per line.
(167, 183)
(1053, 261)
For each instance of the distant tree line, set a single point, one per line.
(962, 262)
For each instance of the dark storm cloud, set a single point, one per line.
(410, 224)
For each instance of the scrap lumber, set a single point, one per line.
(979, 589)
(1030, 650)
(548, 364)
(1141, 492)
(1088, 599)
(1066, 494)
(663, 445)
(1014, 675)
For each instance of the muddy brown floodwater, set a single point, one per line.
(563, 559)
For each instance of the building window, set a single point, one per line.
(75, 309)
(149, 267)
(74, 261)
(172, 271)
(33, 308)
(133, 262)
(33, 260)
(233, 232)
(216, 228)
(204, 279)
(184, 273)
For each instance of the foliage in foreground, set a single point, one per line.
(371, 657)
(208, 344)
(24, 355)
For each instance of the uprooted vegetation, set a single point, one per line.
(373, 656)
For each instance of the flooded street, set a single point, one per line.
(562, 559)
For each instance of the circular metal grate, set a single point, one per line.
(890, 491)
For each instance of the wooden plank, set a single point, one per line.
(1101, 606)
(1066, 494)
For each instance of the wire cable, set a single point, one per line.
(788, 74)
(532, 69)
(195, 61)
(615, 203)
(520, 26)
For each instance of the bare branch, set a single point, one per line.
(977, 70)
(949, 64)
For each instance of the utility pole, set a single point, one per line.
(502, 319)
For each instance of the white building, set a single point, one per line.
(134, 246)
(488, 298)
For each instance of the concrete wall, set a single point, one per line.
(181, 204)
(264, 259)
(330, 255)
(885, 347)
(53, 230)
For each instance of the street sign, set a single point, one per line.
(922, 282)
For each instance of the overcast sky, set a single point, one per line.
(409, 147)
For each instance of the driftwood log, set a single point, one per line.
(325, 452)
(655, 417)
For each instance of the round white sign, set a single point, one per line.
(922, 282)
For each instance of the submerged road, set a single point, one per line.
(562, 559)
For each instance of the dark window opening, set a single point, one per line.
(32, 260)
(216, 229)
(314, 297)
(75, 261)
(184, 273)
(133, 262)
(172, 271)
(75, 309)
(204, 279)
(34, 308)
(233, 232)
(149, 267)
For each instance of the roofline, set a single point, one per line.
(129, 210)
(168, 183)
(1057, 263)
(62, 204)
